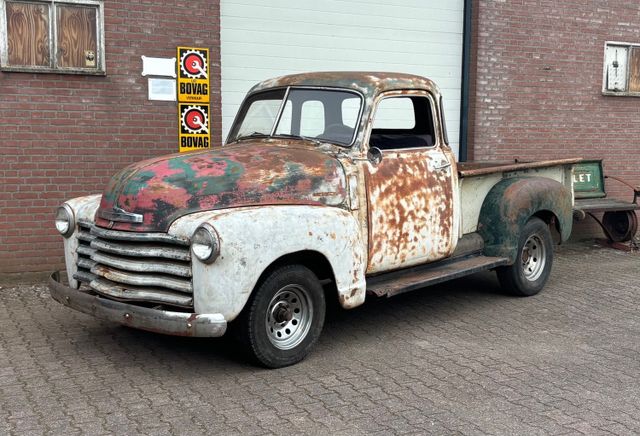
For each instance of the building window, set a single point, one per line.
(621, 74)
(52, 36)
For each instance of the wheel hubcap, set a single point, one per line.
(533, 258)
(289, 316)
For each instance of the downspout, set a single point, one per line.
(466, 64)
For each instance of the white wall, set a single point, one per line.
(262, 39)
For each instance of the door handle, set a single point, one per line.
(443, 164)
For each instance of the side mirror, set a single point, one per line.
(374, 155)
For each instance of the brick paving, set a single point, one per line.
(458, 358)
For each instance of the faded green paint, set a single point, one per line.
(512, 202)
(247, 174)
(588, 180)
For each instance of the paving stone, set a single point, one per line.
(460, 358)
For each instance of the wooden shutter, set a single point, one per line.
(28, 34)
(634, 70)
(77, 36)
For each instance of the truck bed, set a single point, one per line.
(479, 168)
(477, 178)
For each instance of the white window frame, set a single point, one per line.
(98, 70)
(626, 93)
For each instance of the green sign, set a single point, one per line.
(588, 180)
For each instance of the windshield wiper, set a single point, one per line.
(306, 138)
(252, 135)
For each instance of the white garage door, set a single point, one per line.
(262, 39)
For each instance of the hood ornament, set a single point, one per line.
(120, 215)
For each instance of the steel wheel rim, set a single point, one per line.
(289, 316)
(534, 257)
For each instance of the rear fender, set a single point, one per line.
(512, 202)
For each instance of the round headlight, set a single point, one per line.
(204, 244)
(65, 221)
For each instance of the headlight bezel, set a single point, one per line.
(71, 219)
(205, 243)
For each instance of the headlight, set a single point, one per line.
(204, 244)
(65, 221)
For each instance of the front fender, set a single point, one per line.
(510, 204)
(252, 238)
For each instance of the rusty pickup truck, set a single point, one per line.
(329, 186)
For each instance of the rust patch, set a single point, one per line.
(410, 210)
(368, 83)
(470, 169)
(249, 174)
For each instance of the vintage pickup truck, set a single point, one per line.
(330, 185)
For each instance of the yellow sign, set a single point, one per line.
(193, 75)
(194, 126)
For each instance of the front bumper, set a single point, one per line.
(160, 321)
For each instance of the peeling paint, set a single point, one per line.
(247, 174)
(410, 210)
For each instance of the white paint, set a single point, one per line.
(262, 39)
(158, 66)
(252, 238)
(84, 208)
(474, 189)
(616, 64)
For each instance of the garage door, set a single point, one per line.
(262, 39)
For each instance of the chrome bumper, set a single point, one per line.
(160, 321)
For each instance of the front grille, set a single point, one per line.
(135, 267)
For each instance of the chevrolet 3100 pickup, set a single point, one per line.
(329, 186)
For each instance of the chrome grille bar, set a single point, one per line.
(137, 237)
(141, 279)
(138, 250)
(143, 265)
(116, 291)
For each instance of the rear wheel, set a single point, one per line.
(284, 317)
(531, 270)
(620, 226)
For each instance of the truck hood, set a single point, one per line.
(248, 174)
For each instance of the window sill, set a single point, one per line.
(621, 94)
(47, 70)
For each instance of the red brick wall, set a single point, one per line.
(63, 136)
(536, 92)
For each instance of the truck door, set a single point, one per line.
(410, 192)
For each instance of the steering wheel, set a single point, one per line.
(337, 129)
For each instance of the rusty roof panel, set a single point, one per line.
(368, 83)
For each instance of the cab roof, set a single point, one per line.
(368, 83)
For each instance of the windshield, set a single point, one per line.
(316, 114)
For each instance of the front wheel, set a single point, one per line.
(531, 270)
(284, 317)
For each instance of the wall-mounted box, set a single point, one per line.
(621, 72)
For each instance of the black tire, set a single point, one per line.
(284, 317)
(620, 226)
(531, 270)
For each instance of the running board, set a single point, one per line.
(410, 279)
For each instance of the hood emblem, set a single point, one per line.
(120, 215)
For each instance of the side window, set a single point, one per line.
(52, 36)
(403, 122)
(395, 113)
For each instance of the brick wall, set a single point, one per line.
(537, 86)
(63, 136)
